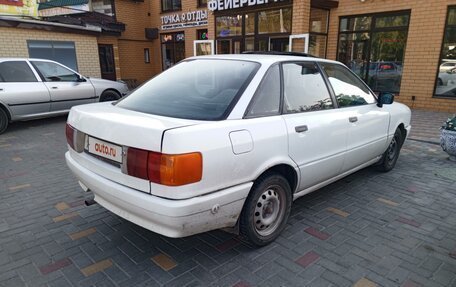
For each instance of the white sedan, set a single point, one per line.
(230, 141)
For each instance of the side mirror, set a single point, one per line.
(385, 99)
(81, 79)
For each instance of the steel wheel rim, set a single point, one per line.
(392, 150)
(269, 211)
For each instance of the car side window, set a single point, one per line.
(349, 90)
(53, 72)
(266, 101)
(16, 72)
(304, 88)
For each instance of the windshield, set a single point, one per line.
(202, 89)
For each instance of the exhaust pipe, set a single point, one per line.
(89, 202)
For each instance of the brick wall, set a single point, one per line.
(131, 44)
(425, 36)
(13, 43)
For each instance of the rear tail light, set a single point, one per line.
(70, 131)
(75, 138)
(166, 169)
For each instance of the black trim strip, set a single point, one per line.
(50, 102)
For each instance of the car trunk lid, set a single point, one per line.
(105, 126)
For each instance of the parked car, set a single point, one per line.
(446, 78)
(229, 141)
(447, 65)
(385, 76)
(36, 88)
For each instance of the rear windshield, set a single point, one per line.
(202, 89)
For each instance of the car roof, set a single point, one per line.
(23, 59)
(264, 58)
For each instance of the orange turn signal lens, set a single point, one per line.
(174, 170)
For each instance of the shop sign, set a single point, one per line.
(169, 37)
(184, 20)
(19, 7)
(220, 5)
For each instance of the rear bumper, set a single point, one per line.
(172, 218)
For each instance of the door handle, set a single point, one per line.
(54, 88)
(301, 129)
(1, 89)
(353, 119)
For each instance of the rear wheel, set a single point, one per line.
(3, 121)
(108, 96)
(266, 210)
(390, 156)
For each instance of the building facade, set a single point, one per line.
(403, 47)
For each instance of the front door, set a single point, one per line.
(367, 123)
(107, 64)
(21, 90)
(317, 133)
(65, 86)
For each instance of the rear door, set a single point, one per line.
(367, 123)
(317, 131)
(64, 85)
(21, 90)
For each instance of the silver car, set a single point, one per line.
(37, 88)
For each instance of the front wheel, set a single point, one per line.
(390, 156)
(3, 121)
(266, 210)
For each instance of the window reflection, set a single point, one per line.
(349, 90)
(229, 26)
(274, 21)
(376, 54)
(446, 79)
(304, 88)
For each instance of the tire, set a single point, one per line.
(108, 96)
(266, 210)
(3, 121)
(390, 156)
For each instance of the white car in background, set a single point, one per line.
(230, 141)
(37, 88)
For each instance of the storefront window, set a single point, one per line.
(229, 26)
(250, 24)
(318, 32)
(373, 47)
(171, 5)
(173, 49)
(446, 79)
(256, 31)
(274, 21)
(355, 23)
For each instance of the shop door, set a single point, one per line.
(107, 64)
(279, 44)
(237, 46)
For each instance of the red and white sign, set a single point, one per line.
(106, 150)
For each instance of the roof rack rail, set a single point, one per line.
(279, 53)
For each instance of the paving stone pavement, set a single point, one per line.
(369, 229)
(426, 125)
